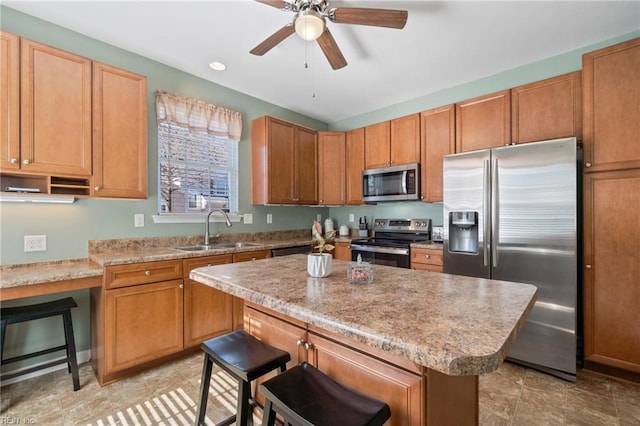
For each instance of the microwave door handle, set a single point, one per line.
(404, 181)
(485, 212)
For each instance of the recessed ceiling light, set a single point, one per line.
(218, 66)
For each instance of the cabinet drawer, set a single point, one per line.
(190, 264)
(426, 267)
(142, 273)
(251, 255)
(426, 256)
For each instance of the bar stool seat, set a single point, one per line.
(18, 314)
(245, 358)
(305, 396)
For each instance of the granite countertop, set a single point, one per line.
(44, 272)
(453, 324)
(428, 245)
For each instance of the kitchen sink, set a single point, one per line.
(219, 246)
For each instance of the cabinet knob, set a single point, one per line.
(587, 266)
(14, 161)
(26, 161)
(587, 165)
(299, 342)
(97, 188)
(308, 346)
(147, 273)
(181, 286)
(253, 258)
(427, 256)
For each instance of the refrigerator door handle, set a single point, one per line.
(485, 212)
(494, 213)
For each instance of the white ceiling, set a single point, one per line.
(444, 44)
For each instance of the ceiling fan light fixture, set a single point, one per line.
(309, 25)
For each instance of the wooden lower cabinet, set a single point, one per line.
(207, 312)
(403, 390)
(612, 272)
(342, 250)
(426, 259)
(143, 323)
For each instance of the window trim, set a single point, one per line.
(194, 217)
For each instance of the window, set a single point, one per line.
(197, 155)
(198, 171)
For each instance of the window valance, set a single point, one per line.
(198, 116)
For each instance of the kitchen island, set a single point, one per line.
(439, 330)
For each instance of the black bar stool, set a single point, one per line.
(305, 396)
(245, 358)
(20, 314)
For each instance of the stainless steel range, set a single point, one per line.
(391, 243)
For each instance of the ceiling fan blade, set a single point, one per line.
(374, 17)
(331, 50)
(273, 40)
(278, 4)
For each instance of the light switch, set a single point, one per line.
(248, 218)
(138, 220)
(269, 218)
(352, 217)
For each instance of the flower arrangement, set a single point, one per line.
(322, 240)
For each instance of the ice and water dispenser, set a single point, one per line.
(463, 232)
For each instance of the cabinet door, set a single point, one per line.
(342, 251)
(547, 109)
(612, 268)
(355, 165)
(306, 166)
(119, 133)
(438, 139)
(278, 333)
(405, 140)
(332, 168)
(143, 323)
(55, 111)
(280, 170)
(9, 101)
(400, 389)
(377, 139)
(612, 107)
(483, 122)
(208, 312)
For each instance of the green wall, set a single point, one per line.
(69, 227)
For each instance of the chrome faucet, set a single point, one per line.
(206, 224)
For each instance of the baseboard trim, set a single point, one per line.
(82, 357)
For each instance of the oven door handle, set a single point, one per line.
(375, 249)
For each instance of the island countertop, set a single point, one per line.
(452, 324)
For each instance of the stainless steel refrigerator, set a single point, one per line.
(511, 213)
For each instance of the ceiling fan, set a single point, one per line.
(310, 23)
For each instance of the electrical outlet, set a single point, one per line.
(352, 217)
(35, 243)
(269, 218)
(248, 218)
(138, 220)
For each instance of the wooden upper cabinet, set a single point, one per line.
(119, 133)
(611, 89)
(55, 111)
(9, 101)
(355, 165)
(332, 168)
(306, 166)
(438, 140)
(483, 122)
(392, 143)
(377, 140)
(284, 161)
(405, 140)
(547, 109)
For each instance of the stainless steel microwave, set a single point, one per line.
(396, 183)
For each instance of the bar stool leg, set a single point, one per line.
(268, 415)
(3, 329)
(204, 390)
(72, 362)
(244, 415)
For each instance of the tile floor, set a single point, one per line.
(167, 395)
